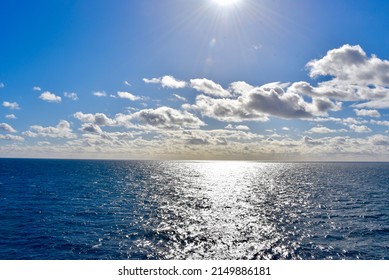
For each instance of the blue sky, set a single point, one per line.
(195, 79)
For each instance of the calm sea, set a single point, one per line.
(80, 209)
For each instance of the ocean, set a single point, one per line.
(92, 209)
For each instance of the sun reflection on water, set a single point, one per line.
(219, 210)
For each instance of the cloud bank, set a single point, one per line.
(341, 116)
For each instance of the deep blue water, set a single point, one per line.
(80, 209)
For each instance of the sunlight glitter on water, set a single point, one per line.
(219, 214)
(54, 209)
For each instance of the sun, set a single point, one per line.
(226, 2)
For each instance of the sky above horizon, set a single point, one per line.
(195, 79)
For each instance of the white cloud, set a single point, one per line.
(169, 118)
(354, 77)
(209, 87)
(50, 97)
(11, 105)
(99, 119)
(227, 110)
(7, 128)
(257, 103)
(310, 141)
(240, 87)
(99, 93)
(36, 88)
(11, 137)
(349, 75)
(171, 82)
(61, 130)
(10, 116)
(91, 128)
(350, 63)
(152, 81)
(384, 123)
(242, 127)
(321, 130)
(377, 104)
(179, 97)
(71, 95)
(276, 102)
(379, 140)
(43, 143)
(367, 113)
(127, 83)
(2, 85)
(359, 128)
(343, 121)
(238, 127)
(127, 95)
(166, 82)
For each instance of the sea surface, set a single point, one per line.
(89, 209)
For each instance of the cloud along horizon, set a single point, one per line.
(339, 114)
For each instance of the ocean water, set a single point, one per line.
(80, 209)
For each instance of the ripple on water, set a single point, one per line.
(193, 210)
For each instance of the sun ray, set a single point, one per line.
(226, 2)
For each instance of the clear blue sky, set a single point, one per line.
(195, 79)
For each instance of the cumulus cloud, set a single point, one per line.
(11, 137)
(343, 121)
(169, 118)
(348, 74)
(354, 76)
(61, 130)
(216, 138)
(276, 102)
(36, 88)
(321, 130)
(71, 95)
(11, 105)
(152, 80)
(384, 123)
(242, 127)
(166, 82)
(99, 93)
(7, 128)
(197, 141)
(99, 119)
(257, 103)
(91, 128)
(50, 97)
(322, 91)
(359, 128)
(209, 87)
(377, 104)
(227, 110)
(367, 113)
(171, 82)
(310, 141)
(10, 116)
(240, 87)
(350, 63)
(379, 140)
(127, 95)
(238, 127)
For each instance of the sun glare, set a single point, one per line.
(225, 2)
